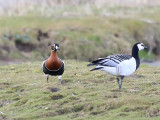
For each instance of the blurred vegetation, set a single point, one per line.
(84, 31)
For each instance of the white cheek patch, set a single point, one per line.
(140, 47)
(56, 47)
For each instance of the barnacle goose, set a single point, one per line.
(53, 66)
(120, 65)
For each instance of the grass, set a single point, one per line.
(25, 94)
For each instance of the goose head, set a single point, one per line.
(138, 47)
(55, 47)
(141, 46)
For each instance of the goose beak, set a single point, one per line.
(145, 47)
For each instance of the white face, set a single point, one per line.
(140, 46)
(56, 47)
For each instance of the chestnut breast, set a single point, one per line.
(53, 62)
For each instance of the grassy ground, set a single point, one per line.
(24, 94)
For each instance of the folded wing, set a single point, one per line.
(111, 61)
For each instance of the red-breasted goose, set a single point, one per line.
(120, 65)
(53, 66)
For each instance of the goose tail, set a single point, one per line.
(97, 68)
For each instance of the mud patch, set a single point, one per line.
(25, 47)
(53, 89)
(57, 97)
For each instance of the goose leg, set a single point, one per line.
(120, 84)
(118, 80)
(60, 81)
(47, 77)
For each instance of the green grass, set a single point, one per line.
(25, 94)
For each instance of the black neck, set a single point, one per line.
(136, 56)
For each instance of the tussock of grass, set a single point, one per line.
(25, 94)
